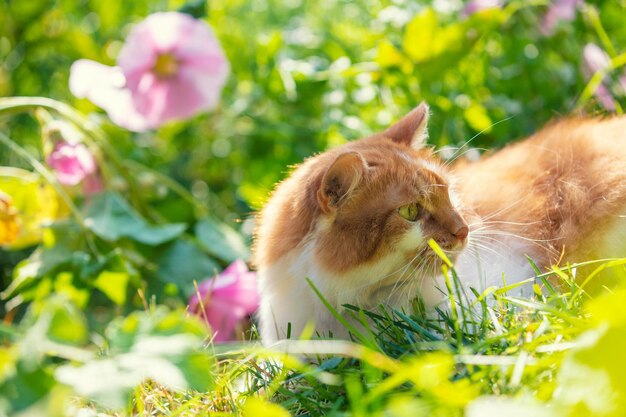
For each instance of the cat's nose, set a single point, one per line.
(462, 232)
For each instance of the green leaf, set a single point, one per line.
(65, 323)
(123, 332)
(105, 381)
(478, 118)
(196, 368)
(437, 249)
(183, 263)
(65, 284)
(592, 379)
(419, 35)
(259, 407)
(25, 276)
(62, 253)
(163, 346)
(608, 308)
(114, 285)
(222, 241)
(110, 217)
(387, 55)
(24, 388)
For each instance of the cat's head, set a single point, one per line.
(384, 197)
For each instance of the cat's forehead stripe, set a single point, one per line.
(432, 167)
(420, 162)
(409, 158)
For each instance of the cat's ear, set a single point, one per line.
(340, 180)
(412, 128)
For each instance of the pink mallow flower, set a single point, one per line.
(476, 6)
(71, 162)
(228, 300)
(69, 158)
(559, 11)
(171, 67)
(594, 60)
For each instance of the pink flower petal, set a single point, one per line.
(169, 30)
(243, 295)
(476, 6)
(105, 87)
(227, 299)
(163, 100)
(223, 320)
(138, 55)
(86, 75)
(594, 59)
(208, 89)
(237, 267)
(604, 97)
(71, 162)
(119, 106)
(199, 44)
(559, 11)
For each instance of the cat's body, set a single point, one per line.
(356, 220)
(557, 197)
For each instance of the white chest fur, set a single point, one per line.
(288, 301)
(613, 243)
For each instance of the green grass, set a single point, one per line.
(504, 353)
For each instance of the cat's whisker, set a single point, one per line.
(488, 223)
(419, 283)
(528, 239)
(475, 231)
(482, 245)
(489, 241)
(400, 278)
(404, 270)
(454, 156)
(542, 244)
(413, 274)
(502, 210)
(412, 283)
(475, 249)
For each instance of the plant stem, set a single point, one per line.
(20, 104)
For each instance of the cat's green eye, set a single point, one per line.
(409, 212)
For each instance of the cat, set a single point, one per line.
(356, 220)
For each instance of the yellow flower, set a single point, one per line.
(9, 220)
(27, 205)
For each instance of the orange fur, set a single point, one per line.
(561, 188)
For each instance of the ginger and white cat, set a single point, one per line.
(356, 219)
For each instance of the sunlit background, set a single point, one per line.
(307, 75)
(111, 245)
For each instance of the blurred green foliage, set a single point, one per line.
(312, 74)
